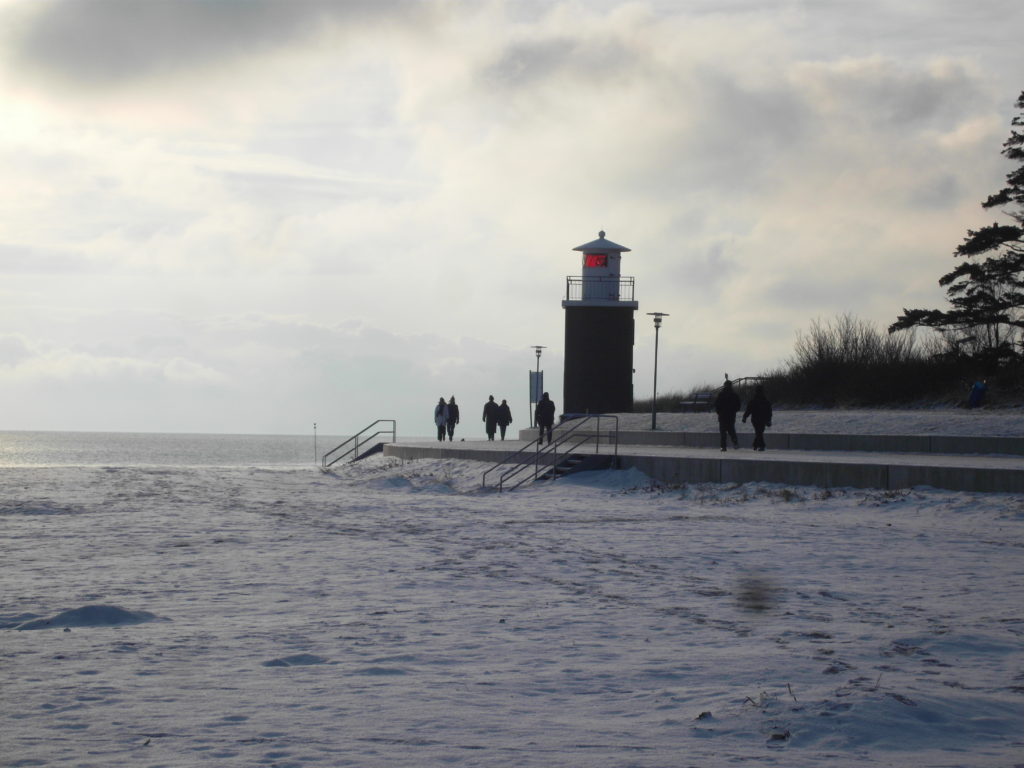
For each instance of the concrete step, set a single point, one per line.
(575, 462)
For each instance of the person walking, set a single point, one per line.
(727, 403)
(441, 418)
(490, 418)
(544, 414)
(504, 417)
(759, 411)
(453, 418)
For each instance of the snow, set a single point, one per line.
(395, 614)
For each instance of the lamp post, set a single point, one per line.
(536, 348)
(654, 402)
(314, 443)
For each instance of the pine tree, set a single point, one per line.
(987, 296)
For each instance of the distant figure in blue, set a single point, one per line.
(976, 397)
(544, 413)
(453, 418)
(504, 417)
(727, 404)
(441, 418)
(490, 417)
(759, 411)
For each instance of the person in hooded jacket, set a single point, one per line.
(453, 418)
(441, 418)
(504, 417)
(727, 404)
(759, 411)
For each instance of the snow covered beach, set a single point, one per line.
(394, 614)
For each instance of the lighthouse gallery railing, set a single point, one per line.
(603, 288)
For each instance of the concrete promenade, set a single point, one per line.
(838, 442)
(959, 463)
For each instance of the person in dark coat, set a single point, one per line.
(490, 418)
(544, 413)
(976, 397)
(727, 403)
(504, 417)
(453, 418)
(441, 417)
(759, 411)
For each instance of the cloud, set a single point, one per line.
(13, 350)
(66, 365)
(109, 42)
(21, 259)
(310, 203)
(256, 371)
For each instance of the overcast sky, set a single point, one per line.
(252, 216)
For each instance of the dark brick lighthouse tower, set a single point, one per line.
(599, 309)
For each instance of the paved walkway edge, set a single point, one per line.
(790, 441)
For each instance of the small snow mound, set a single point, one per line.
(91, 616)
(298, 660)
(380, 671)
(436, 486)
(36, 510)
(393, 482)
(611, 479)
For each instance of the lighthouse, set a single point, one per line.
(599, 308)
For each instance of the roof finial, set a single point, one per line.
(601, 233)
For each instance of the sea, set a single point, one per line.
(129, 449)
(144, 449)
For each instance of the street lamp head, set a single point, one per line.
(537, 348)
(657, 317)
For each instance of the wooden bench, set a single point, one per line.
(701, 401)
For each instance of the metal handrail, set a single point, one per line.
(551, 460)
(360, 439)
(549, 454)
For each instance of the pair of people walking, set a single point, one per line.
(496, 417)
(446, 416)
(759, 411)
